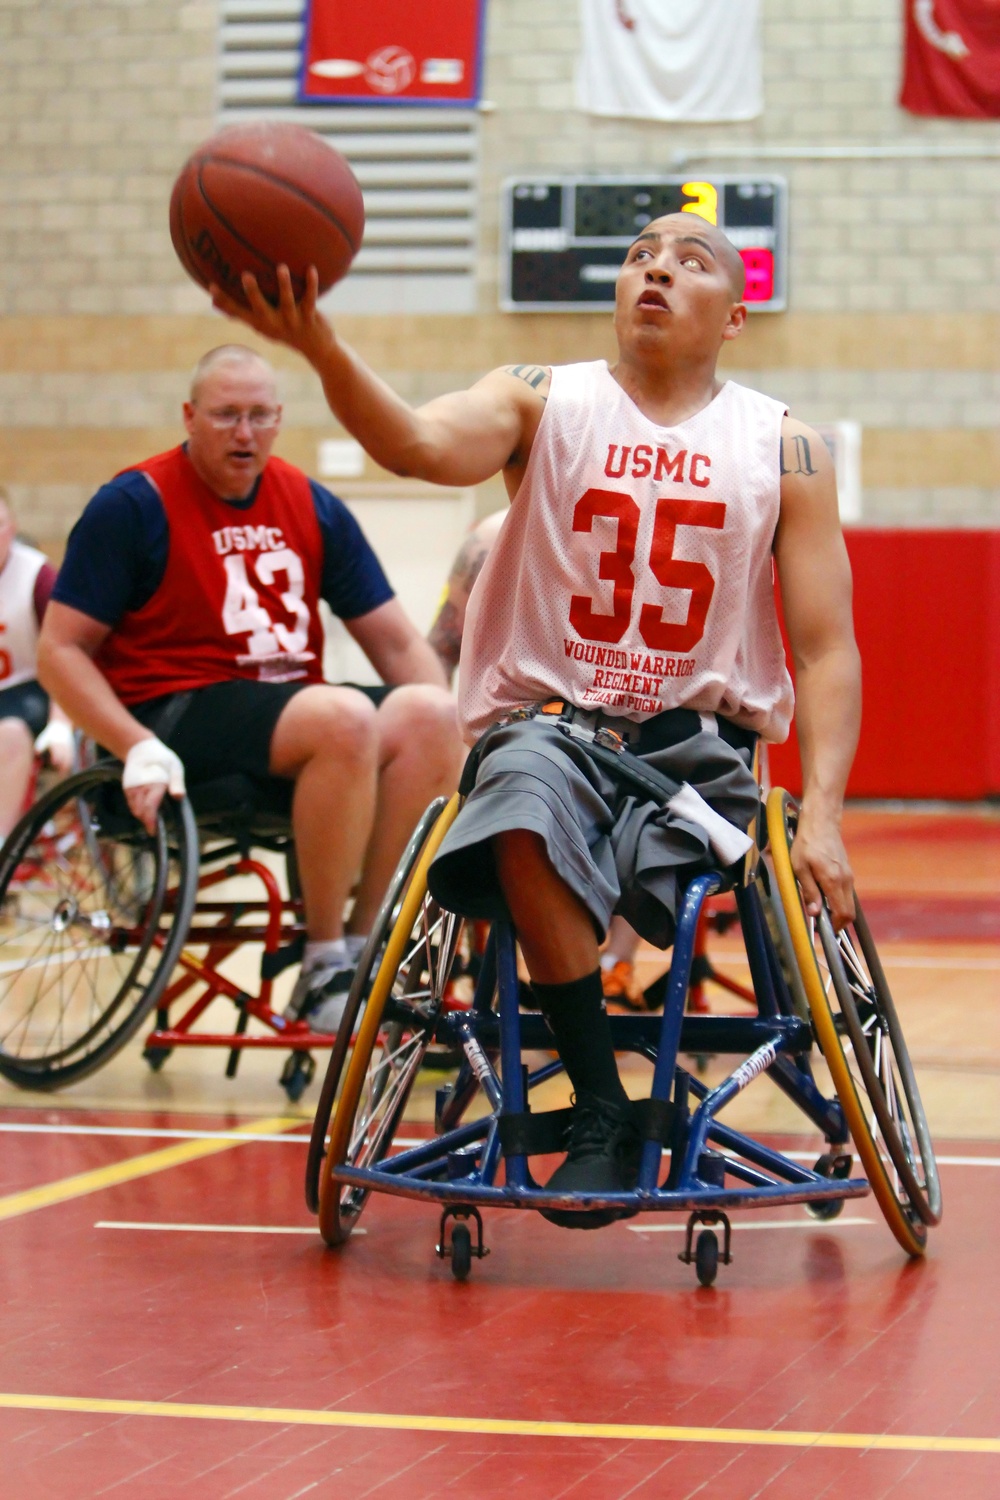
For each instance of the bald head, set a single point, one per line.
(710, 236)
(236, 357)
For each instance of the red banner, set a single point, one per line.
(952, 62)
(395, 52)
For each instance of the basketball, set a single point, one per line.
(263, 194)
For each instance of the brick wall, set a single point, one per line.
(894, 313)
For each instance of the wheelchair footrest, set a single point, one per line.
(273, 964)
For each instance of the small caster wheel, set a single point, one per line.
(834, 1166)
(706, 1257)
(297, 1074)
(156, 1057)
(461, 1252)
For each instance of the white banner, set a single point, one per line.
(671, 59)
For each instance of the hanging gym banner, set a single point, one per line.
(395, 52)
(671, 59)
(952, 62)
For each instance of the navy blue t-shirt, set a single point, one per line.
(117, 553)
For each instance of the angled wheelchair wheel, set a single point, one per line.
(859, 1034)
(93, 915)
(365, 972)
(416, 945)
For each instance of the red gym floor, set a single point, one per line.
(173, 1326)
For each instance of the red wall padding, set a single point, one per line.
(927, 617)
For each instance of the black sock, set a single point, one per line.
(575, 1012)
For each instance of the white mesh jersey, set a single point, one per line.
(634, 571)
(18, 624)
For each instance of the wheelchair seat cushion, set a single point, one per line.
(614, 850)
(242, 803)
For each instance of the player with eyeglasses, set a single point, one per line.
(184, 635)
(260, 418)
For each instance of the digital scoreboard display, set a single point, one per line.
(563, 239)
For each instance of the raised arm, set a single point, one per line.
(459, 439)
(815, 578)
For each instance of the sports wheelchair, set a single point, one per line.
(820, 997)
(100, 923)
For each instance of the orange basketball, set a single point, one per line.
(263, 194)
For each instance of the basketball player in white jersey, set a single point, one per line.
(618, 978)
(632, 585)
(29, 723)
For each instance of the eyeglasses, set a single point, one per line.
(259, 418)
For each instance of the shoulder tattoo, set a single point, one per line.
(532, 375)
(795, 457)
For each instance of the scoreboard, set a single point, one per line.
(563, 239)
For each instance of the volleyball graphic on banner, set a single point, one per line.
(393, 52)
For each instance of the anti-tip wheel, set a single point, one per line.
(834, 1166)
(461, 1252)
(706, 1257)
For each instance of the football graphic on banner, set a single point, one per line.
(395, 52)
(952, 61)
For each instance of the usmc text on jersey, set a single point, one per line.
(248, 539)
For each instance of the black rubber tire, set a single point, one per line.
(297, 1074)
(77, 863)
(400, 1015)
(825, 1209)
(461, 1251)
(367, 965)
(896, 1153)
(883, 1061)
(706, 1257)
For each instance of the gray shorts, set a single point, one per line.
(616, 852)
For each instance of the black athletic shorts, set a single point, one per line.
(227, 727)
(28, 701)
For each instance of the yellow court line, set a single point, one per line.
(755, 1437)
(132, 1167)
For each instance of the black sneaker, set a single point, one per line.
(603, 1156)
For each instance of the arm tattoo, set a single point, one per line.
(532, 375)
(802, 456)
(467, 565)
(445, 635)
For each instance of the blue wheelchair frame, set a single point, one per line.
(459, 1167)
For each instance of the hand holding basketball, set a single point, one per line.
(298, 323)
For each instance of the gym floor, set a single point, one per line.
(173, 1325)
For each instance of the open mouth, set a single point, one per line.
(652, 298)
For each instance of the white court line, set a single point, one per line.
(20, 965)
(215, 1228)
(942, 1161)
(138, 1132)
(889, 962)
(819, 1224)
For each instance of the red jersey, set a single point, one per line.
(239, 596)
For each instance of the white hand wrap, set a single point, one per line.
(725, 838)
(57, 735)
(152, 763)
